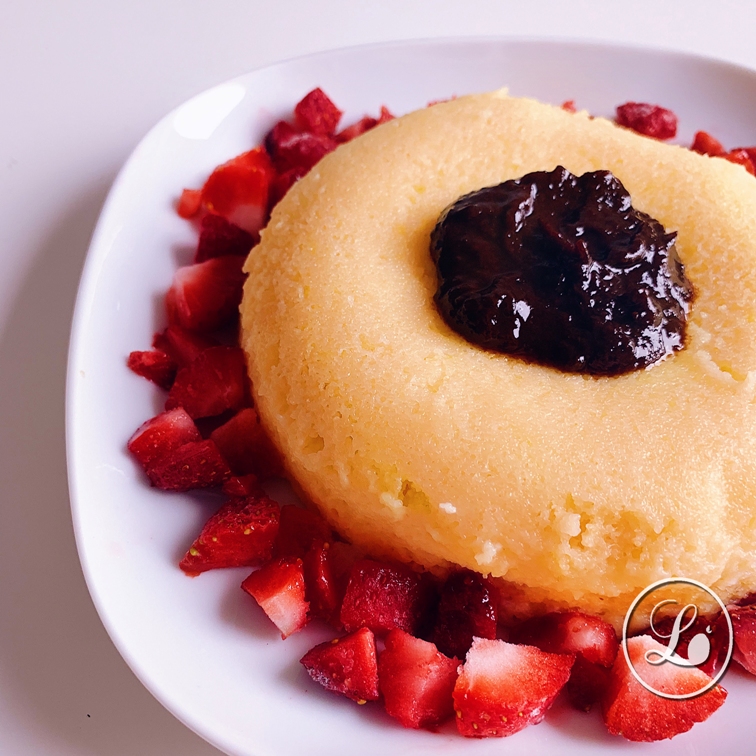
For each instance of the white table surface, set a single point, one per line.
(80, 82)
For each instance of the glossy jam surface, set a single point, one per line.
(562, 271)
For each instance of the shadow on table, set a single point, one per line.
(60, 673)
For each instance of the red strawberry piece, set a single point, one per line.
(161, 435)
(321, 588)
(219, 238)
(706, 144)
(741, 157)
(197, 464)
(385, 115)
(569, 106)
(587, 684)
(356, 129)
(634, 712)
(383, 596)
(570, 633)
(189, 203)
(215, 382)
(239, 534)
(316, 113)
(592, 640)
(416, 681)
(744, 629)
(346, 665)
(242, 485)
(182, 345)
(282, 183)
(279, 589)
(300, 529)
(292, 149)
(715, 628)
(649, 120)
(467, 610)
(206, 296)
(502, 687)
(750, 151)
(154, 365)
(238, 190)
(247, 447)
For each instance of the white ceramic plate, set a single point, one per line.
(201, 646)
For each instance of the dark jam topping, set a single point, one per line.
(562, 271)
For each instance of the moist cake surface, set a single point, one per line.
(576, 491)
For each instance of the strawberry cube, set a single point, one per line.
(346, 665)
(214, 382)
(161, 435)
(197, 464)
(282, 183)
(587, 684)
(279, 589)
(316, 113)
(247, 447)
(467, 610)
(238, 190)
(220, 238)
(300, 529)
(741, 157)
(649, 120)
(239, 534)
(328, 566)
(383, 596)
(182, 345)
(154, 365)
(744, 630)
(242, 485)
(206, 296)
(634, 712)
(356, 129)
(293, 149)
(502, 687)
(416, 681)
(189, 203)
(706, 144)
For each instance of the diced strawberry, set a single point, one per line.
(741, 157)
(637, 714)
(385, 115)
(215, 382)
(346, 665)
(587, 684)
(321, 588)
(247, 447)
(220, 238)
(592, 640)
(282, 183)
(189, 203)
(416, 681)
(290, 148)
(570, 633)
(356, 129)
(503, 687)
(242, 485)
(300, 529)
(316, 113)
(279, 589)
(706, 144)
(154, 365)
(161, 435)
(239, 534)
(649, 120)
(750, 151)
(744, 629)
(569, 106)
(182, 345)
(715, 628)
(206, 296)
(383, 596)
(197, 464)
(238, 190)
(467, 610)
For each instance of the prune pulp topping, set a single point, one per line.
(562, 271)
